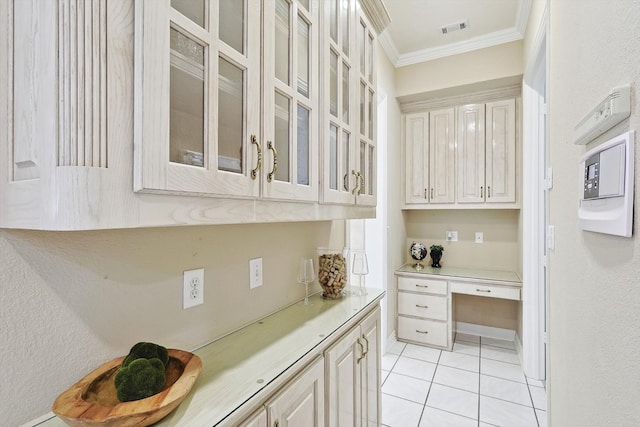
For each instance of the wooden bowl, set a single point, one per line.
(92, 401)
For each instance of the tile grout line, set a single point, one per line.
(479, 374)
(424, 407)
(533, 405)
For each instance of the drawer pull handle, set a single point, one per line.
(483, 290)
(422, 286)
(422, 306)
(421, 332)
(362, 352)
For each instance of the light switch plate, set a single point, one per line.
(452, 236)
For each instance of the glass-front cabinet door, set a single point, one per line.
(349, 105)
(367, 114)
(197, 97)
(290, 61)
(339, 132)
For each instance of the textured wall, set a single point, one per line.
(71, 301)
(594, 371)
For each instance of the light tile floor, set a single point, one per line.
(478, 384)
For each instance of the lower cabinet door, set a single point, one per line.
(423, 331)
(301, 402)
(342, 363)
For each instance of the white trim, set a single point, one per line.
(534, 131)
(486, 331)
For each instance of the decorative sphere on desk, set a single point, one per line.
(418, 252)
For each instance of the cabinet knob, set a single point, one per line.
(271, 174)
(254, 172)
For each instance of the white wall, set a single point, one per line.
(594, 375)
(70, 301)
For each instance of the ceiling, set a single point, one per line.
(414, 34)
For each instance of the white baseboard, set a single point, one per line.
(486, 331)
(520, 350)
(390, 341)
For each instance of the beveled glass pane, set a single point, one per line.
(333, 19)
(345, 160)
(186, 100)
(370, 175)
(333, 157)
(370, 108)
(344, 19)
(232, 25)
(363, 92)
(345, 92)
(230, 117)
(192, 9)
(361, 43)
(282, 31)
(303, 57)
(370, 62)
(303, 145)
(281, 138)
(333, 84)
(305, 4)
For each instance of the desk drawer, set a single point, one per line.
(427, 286)
(433, 307)
(492, 291)
(423, 331)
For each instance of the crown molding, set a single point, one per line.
(377, 14)
(389, 47)
(493, 39)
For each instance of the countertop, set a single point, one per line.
(465, 273)
(241, 364)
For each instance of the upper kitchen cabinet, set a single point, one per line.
(348, 117)
(145, 113)
(464, 156)
(197, 97)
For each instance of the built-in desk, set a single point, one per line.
(425, 309)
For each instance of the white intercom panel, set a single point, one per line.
(606, 193)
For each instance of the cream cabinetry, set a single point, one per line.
(423, 311)
(348, 104)
(462, 157)
(353, 376)
(151, 113)
(487, 152)
(301, 402)
(425, 299)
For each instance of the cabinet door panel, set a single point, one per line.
(470, 152)
(183, 74)
(301, 402)
(416, 158)
(370, 371)
(441, 156)
(500, 153)
(342, 380)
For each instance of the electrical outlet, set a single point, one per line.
(255, 273)
(193, 288)
(479, 237)
(452, 236)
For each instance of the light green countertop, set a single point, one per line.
(464, 273)
(241, 364)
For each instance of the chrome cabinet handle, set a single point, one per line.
(483, 290)
(254, 172)
(489, 192)
(481, 192)
(425, 193)
(432, 192)
(422, 306)
(422, 286)
(271, 174)
(422, 332)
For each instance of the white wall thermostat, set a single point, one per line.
(606, 190)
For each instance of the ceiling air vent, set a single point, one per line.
(455, 27)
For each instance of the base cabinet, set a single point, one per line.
(301, 402)
(353, 376)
